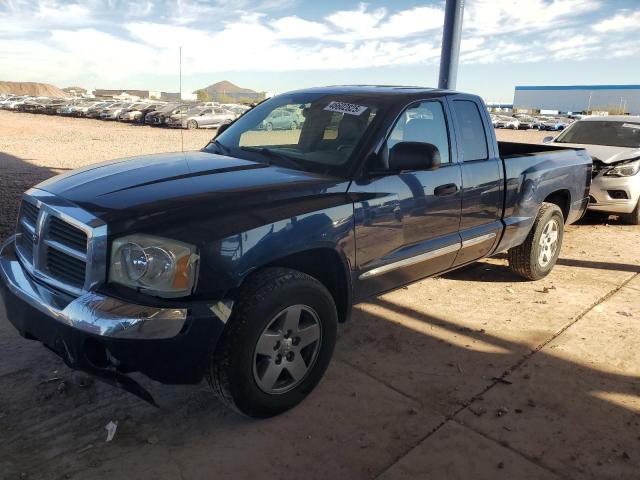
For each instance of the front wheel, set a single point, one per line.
(277, 345)
(633, 218)
(536, 257)
(192, 124)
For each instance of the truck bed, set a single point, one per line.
(515, 149)
(534, 172)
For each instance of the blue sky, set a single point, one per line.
(278, 45)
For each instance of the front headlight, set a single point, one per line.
(626, 170)
(155, 265)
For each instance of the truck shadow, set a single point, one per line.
(497, 273)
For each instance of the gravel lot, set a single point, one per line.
(476, 374)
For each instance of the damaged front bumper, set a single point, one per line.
(109, 337)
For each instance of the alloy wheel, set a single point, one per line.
(287, 349)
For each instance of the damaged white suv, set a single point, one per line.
(614, 144)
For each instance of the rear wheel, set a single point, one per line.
(536, 257)
(192, 124)
(633, 218)
(277, 345)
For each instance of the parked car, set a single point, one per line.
(160, 116)
(237, 262)
(95, 110)
(614, 144)
(201, 117)
(500, 121)
(237, 110)
(33, 105)
(111, 112)
(283, 119)
(83, 109)
(54, 106)
(12, 103)
(136, 112)
(520, 123)
(550, 123)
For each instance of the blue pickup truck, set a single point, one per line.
(237, 262)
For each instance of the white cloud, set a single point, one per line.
(112, 40)
(490, 17)
(621, 22)
(295, 27)
(362, 23)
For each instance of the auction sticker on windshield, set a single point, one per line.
(343, 107)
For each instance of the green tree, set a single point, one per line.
(203, 95)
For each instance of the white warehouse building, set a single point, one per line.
(579, 98)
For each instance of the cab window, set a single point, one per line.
(423, 122)
(472, 135)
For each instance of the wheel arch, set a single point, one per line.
(326, 265)
(561, 198)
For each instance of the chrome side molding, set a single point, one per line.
(411, 261)
(470, 242)
(426, 256)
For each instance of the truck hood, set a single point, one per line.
(604, 153)
(181, 185)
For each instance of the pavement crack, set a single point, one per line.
(379, 380)
(522, 455)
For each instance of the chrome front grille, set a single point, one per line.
(61, 232)
(61, 244)
(65, 267)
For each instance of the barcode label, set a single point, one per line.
(343, 107)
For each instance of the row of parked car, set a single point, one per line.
(525, 122)
(156, 113)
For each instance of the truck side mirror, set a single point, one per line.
(414, 156)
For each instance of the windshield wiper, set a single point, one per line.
(281, 158)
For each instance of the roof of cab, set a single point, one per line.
(377, 90)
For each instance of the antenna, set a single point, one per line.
(180, 99)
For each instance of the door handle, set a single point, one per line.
(448, 189)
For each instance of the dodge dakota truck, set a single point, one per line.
(236, 263)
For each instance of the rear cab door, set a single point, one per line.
(482, 178)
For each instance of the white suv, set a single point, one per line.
(614, 144)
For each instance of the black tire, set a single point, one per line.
(524, 259)
(633, 218)
(192, 125)
(264, 295)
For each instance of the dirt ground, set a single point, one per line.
(476, 374)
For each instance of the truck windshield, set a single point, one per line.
(315, 132)
(611, 133)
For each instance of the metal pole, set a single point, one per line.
(451, 34)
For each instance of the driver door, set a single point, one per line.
(407, 227)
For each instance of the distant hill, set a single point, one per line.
(228, 89)
(31, 88)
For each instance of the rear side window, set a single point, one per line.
(472, 134)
